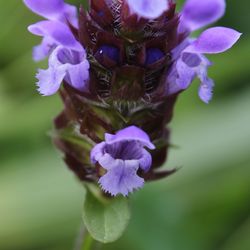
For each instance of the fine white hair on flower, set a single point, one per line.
(147, 8)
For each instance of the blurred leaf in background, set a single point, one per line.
(206, 205)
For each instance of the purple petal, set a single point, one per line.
(97, 152)
(176, 52)
(206, 84)
(71, 14)
(147, 8)
(57, 32)
(46, 8)
(50, 80)
(199, 13)
(53, 10)
(131, 133)
(192, 60)
(145, 161)
(78, 75)
(215, 40)
(108, 162)
(172, 85)
(182, 73)
(186, 74)
(122, 179)
(125, 150)
(44, 49)
(206, 90)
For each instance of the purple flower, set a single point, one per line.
(189, 61)
(64, 64)
(54, 10)
(147, 8)
(67, 60)
(122, 155)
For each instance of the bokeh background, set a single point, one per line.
(205, 206)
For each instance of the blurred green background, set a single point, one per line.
(205, 206)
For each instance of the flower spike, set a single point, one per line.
(120, 72)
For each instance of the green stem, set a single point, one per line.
(88, 242)
(84, 240)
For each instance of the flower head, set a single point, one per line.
(122, 155)
(124, 62)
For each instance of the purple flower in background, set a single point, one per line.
(189, 61)
(122, 155)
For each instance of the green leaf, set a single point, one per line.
(106, 220)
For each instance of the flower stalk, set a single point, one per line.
(84, 240)
(88, 243)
